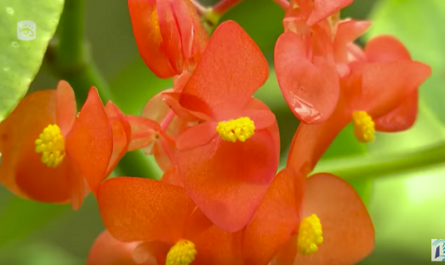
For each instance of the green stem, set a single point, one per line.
(370, 167)
(71, 33)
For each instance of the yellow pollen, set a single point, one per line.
(182, 253)
(363, 126)
(240, 129)
(52, 146)
(310, 235)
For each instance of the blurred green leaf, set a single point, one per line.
(21, 217)
(261, 19)
(21, 59)
(37, 253)
(135, 86)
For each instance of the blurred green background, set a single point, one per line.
(405, 205)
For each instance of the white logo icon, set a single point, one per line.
(26, 30)
(438, 250)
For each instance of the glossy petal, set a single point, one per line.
(108, 250)
(276, 220)
(91, 140)
(228, 180)
(310, 87)
(147, 32)
(164, 151)
(65, 107)
(224, 76)
(325, 8)
(121, 132)
(311, 141)
(378, 87)
(347, 227)
(400, 118)
(151, 253)
(158, 211)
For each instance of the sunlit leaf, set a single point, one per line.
(26, 29)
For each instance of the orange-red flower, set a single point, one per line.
(295, 213)
(379, 93)
(227, 161)
(49, 153)
(169, 35)
(164, 220)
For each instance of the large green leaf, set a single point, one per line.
(20, 58)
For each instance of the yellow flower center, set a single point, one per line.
(182, 253)
(52, 146)
(240, 129)
(310, 235)
(363, 126)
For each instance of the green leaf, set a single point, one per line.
(20, 59)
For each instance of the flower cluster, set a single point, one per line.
(220, 199)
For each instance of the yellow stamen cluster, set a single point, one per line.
(363, 126)
(240, 129)
(310, 235)
(52, 146)
(182, 253)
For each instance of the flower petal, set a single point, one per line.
(65, 107)
(91, 139)
(400, 118)
(121, 132)
(310, 87)
(311, 141)
(378, 87)
(143, 133)
(325, 8)
(224, 77)
(158, 211)
(197, 136)
(276, 220)
(228, 180)
(147, 32)
(386, 49)
(110, 251)
(347, 32)
(348, 231)
(217, 247)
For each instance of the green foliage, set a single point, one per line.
(21, 59)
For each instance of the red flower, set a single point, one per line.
(227, 161)
(47, 152)
(378, 93)
(169, 35)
